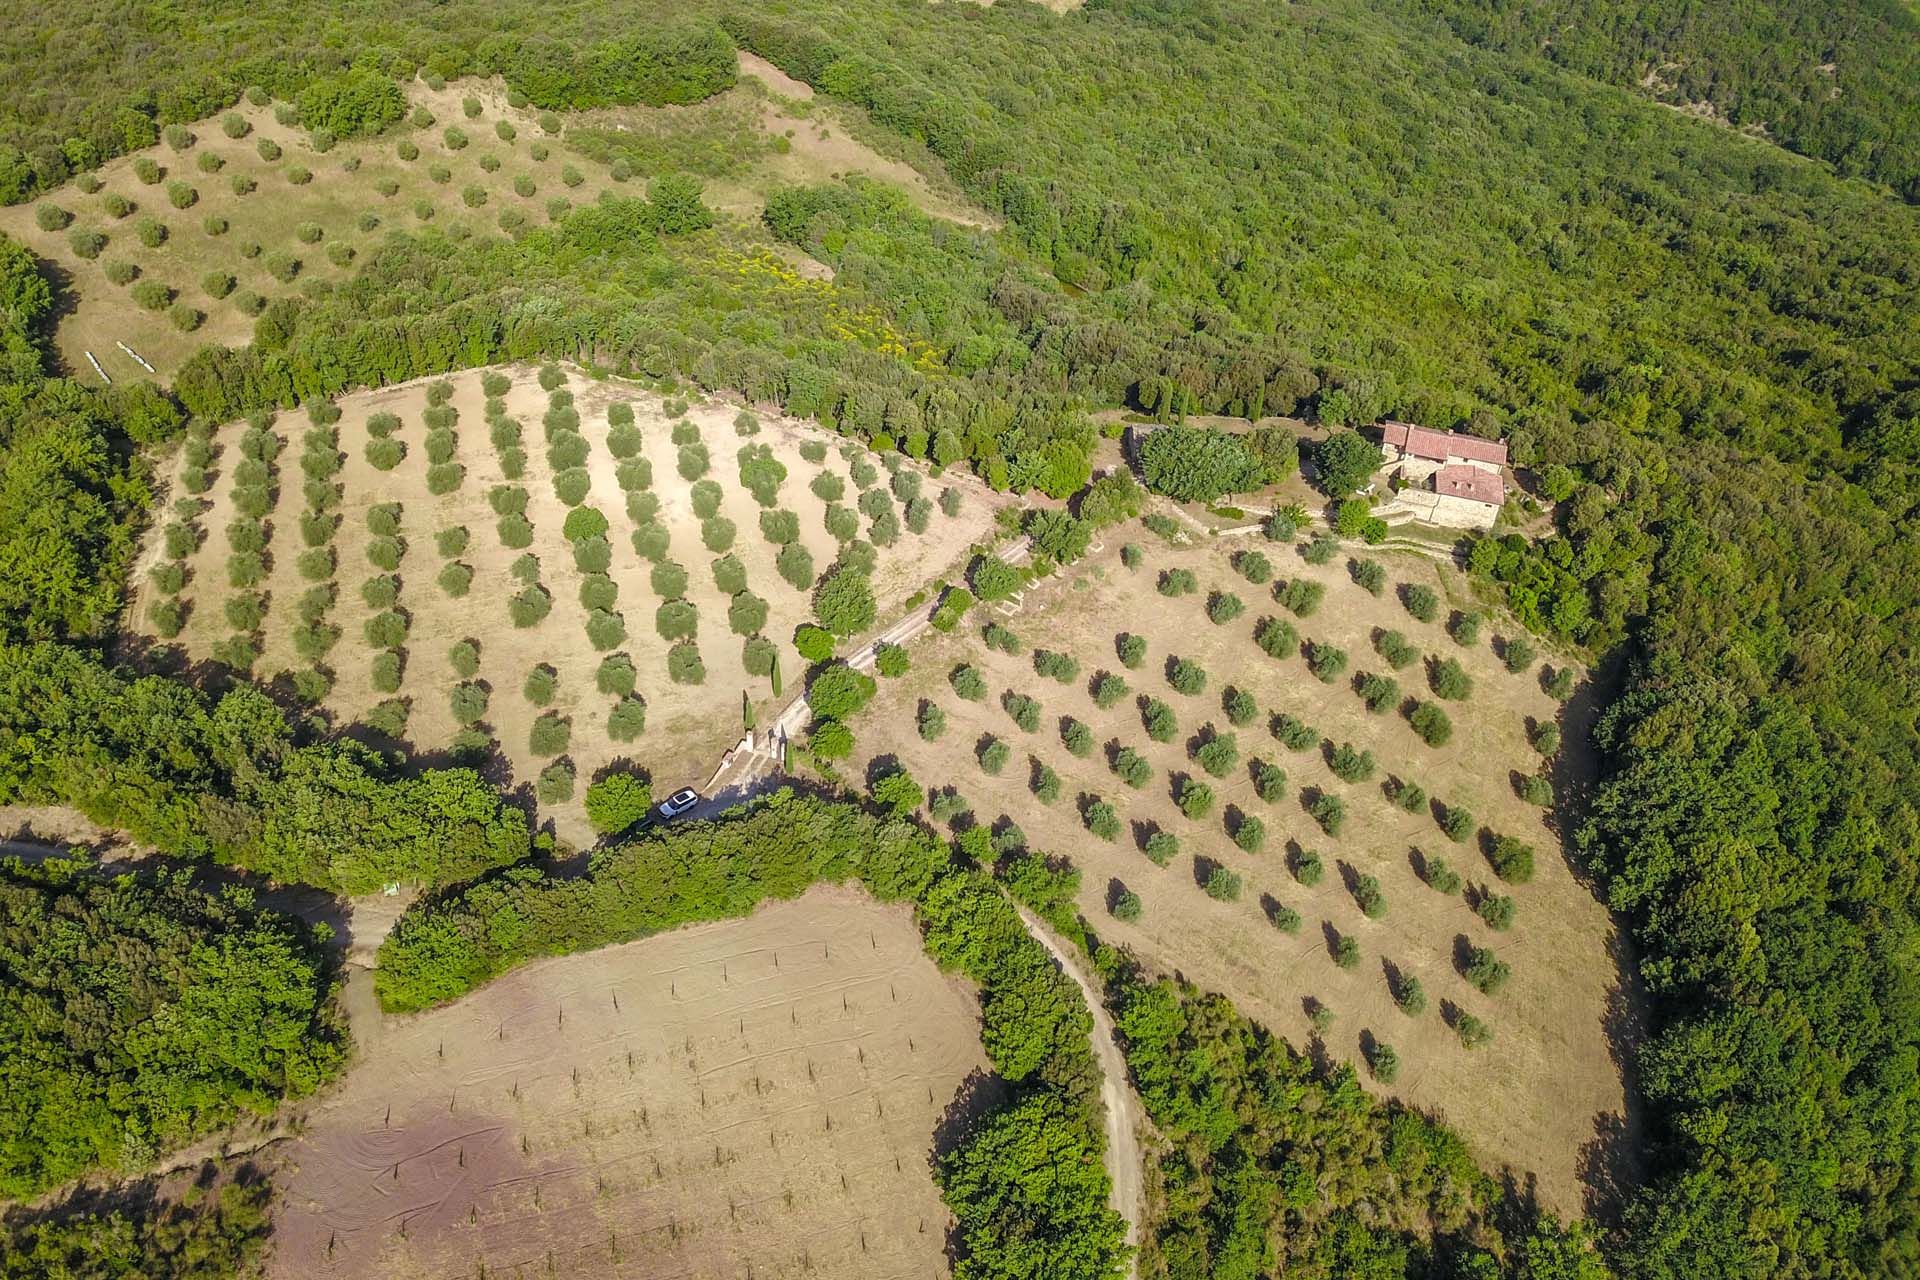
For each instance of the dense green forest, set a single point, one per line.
(1025, 1181)
(216, 1228)
(139, 1011)
(1840, 81)
(234, 780)
(1211, 205)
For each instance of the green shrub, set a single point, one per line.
(1187, 676)
(168, 578)
(605, 629)
(1217, 753)
(1321, 549)
(1132, 768)
(1307, 868)
(1223, 607)
(760, 658)
(530, 606)
(1432, 723)
(1056, 666)
(572, 485)
(816, 644)
(993, 755)
(245, 569)
(389, 717)
(385, 553)
(1195, 799)
(1511, 859)
(1439, 876)
(1223, 885)
(1269, 781)
(380, 592)
(385, 630)
(1301, 596)
(151, 295)
(468, 703)
(1420, 601)
(1558, 682)
(628, 719)
(890, 660)
(1101, 820)
(1277, 638)
(1158, 719)
(1497, 910)
(1350, 764)
(1330, 811)
(1450, 680)
(684, 665)
(316, 565)
(1517, 654)
(1486, 971)
(385, 454)
(387, 671)
(1177, 582)
(931, 721)
(617, 801)
(795, 565)
(1162, 847)
(968, 683)
(1250, 834)
(555, 784)
(1370, 575)
(515, 531)
(1024, 711)
(1407, 795)
(456, 579)
(1253, 566)
(1327, 662)
(550, 734)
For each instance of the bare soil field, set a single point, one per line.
(355, 193)
(687, 726)
(1547, 1093)
(750, 1098)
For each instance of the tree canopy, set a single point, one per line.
(139, 1011)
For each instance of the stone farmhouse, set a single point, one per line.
(1444, 477)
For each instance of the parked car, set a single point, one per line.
(677, 804)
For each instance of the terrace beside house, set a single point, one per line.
(1444, 477)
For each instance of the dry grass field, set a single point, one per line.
(750, 1098)
(354, 193)
(408, 694)
(1545, 1094)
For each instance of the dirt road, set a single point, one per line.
(1116, 1093)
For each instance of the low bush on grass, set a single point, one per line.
(1511, 859)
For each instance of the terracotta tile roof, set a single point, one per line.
(1462, 481)
(1425, 442)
